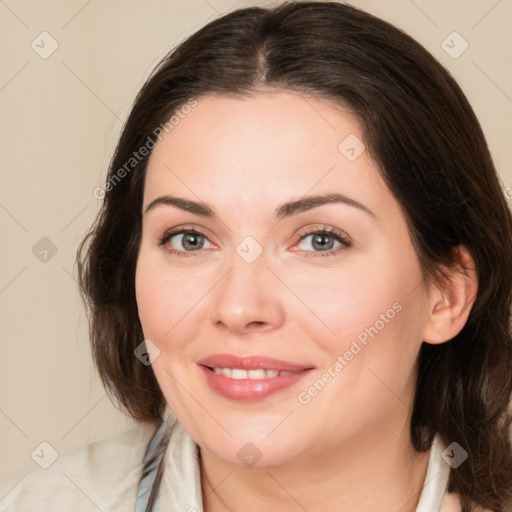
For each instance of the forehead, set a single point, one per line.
(263, 147)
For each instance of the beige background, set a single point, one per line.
(61, 116)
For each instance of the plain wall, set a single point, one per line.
(60, 119)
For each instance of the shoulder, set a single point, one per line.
(452, 503)
(102, 475)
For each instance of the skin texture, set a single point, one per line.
(349, 447)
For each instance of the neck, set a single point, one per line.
(377, 470)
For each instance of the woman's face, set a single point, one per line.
(276, 341)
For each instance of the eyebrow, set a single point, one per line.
(283, 210)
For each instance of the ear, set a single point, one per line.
(451, 300)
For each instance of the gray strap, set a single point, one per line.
(152, 471)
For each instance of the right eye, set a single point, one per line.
(182, 241)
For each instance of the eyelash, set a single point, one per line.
(333, 233)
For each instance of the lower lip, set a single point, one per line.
(250, 389)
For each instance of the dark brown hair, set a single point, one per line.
(432, 154)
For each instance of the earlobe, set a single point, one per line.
(450, 300)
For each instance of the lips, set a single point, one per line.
(250, 378)
(240, 373)
(251, 363)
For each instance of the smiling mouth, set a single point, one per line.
(257, 374)
(251, 384)
(250, 378)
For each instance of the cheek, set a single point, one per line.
(150, 297)
(344, 304)
(171, 301)
(157, 297)
(369, 314)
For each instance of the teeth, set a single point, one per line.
(239, 373)
(257, 374)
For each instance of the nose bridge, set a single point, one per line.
(245, 297)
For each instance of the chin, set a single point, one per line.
(263, 453)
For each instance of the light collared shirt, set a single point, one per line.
(106, 476)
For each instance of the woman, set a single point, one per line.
(299, 282)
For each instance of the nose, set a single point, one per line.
(247, 299)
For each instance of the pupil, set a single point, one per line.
(187, 241)
(319, 238)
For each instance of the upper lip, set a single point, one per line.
(251, 363)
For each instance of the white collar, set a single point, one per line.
(181, 479)
(436, 479)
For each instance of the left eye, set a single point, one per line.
(322, 241)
